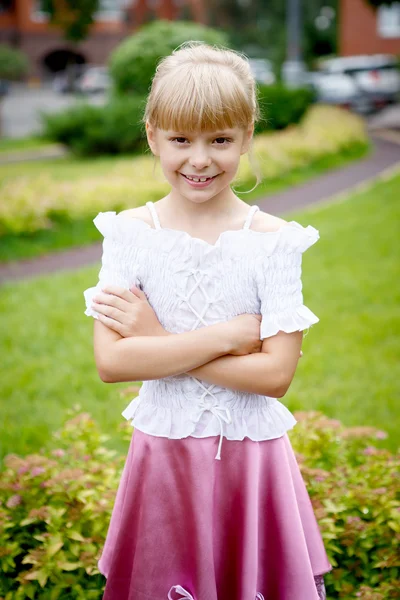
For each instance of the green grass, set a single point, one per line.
(66, 234)
(349, 370)
(21, 144)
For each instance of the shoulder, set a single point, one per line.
(139, 212)
(264, 222)
(119, 227)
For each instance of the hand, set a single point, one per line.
(127, 312)
(245, 332)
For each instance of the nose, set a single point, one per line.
(199, 157)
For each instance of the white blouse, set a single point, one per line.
(191, 283)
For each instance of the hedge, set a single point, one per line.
(55, 508)
(31, 203)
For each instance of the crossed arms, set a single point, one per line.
(204, 353)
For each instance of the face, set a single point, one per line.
(201, 165)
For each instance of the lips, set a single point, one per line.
(199, 184)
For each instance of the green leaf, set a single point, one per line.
(69, 566)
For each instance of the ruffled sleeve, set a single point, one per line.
(279, 282)
(119, 264)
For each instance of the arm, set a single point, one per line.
(269, 372)
(153, 357)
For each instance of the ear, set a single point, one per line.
(151, 138)
(248, 136)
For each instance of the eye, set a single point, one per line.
(222, 141)
(178, 140)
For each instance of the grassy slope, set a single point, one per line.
(349, 369)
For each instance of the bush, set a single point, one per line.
(30, 203)
(133, 63)
(355, 492)
(281, 106)
(54, 512)
(116, 127)
(55, 509)
(91, 130)
(14, 64)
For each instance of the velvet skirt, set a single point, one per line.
(188, 527)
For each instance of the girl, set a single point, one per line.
(215, 333)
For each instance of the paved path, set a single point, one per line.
(386, 155)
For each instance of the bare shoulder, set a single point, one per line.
(264, 222)
(139, 212)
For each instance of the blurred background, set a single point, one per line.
(73, 82)
(345, 50)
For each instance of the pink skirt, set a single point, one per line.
(188, 527)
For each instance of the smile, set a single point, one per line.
(199, 182)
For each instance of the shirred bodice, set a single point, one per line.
(191, 283)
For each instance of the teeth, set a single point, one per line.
(198, 179)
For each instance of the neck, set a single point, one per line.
(223, 206)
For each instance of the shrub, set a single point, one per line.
(116, 127)
(31, 203)
(281, 106)
(91, 130)
(14, 64)
(133, 62)
(54, 511)
(55, 508)
(355, 492)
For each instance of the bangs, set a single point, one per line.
(200, 97)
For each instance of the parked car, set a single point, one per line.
(340, 90)
(375, 79)
(4, 87)
(262, 70)
(65, 81)
(93, 80)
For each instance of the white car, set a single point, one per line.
(94, 79)
(375, 77)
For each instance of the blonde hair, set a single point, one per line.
(203, 88)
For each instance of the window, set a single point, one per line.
(388, 21)
(112, 10)
(109, 10)
(37, 14)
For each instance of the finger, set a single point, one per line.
(110, 323)
(119, 291)
(108, 311)
(110, 300)
(138, 292)
(135, 290)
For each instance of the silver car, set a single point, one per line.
(363, 83)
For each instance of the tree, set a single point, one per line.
(259, 27)
(74, 16)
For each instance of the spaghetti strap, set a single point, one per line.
(253, 209)
(154, 215)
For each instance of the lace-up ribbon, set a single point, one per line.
(180, 590)
(221, 412)
(188, 596)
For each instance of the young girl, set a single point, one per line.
(200, 297)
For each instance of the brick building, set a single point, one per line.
(363, 30)
(23, 25)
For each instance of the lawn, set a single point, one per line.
(349, 370)
(25, 143)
